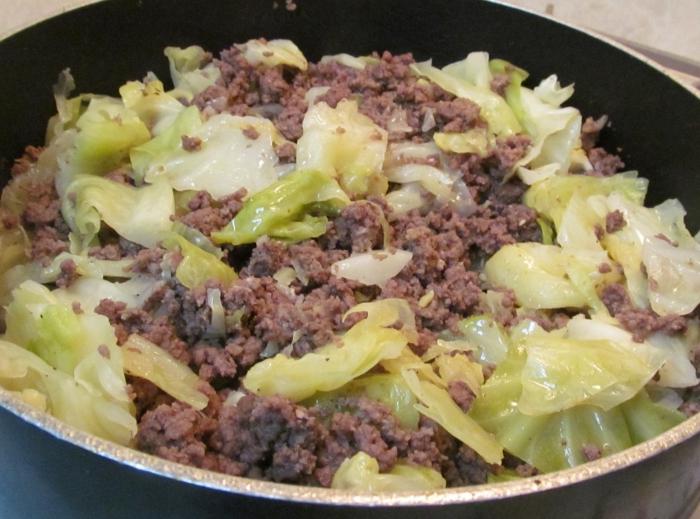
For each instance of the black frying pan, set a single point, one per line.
(656, 122)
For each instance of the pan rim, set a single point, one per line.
(334, 497)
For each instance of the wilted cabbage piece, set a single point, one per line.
(487, 336)
(188, 70)
(343, 143)
(551, 196)
(89, 291)
(144, 359)
(372, 268)
(358, 62)
(23, 372)
(103, 136)
(388, 388)
(661, 259)
(273, 53)
(436, 404)
(225, 160)
(556, 441)
(139, 214)
(285, 209)
(362, 347)
(474, 141)
(197, 265)
(82, 347)
(545, 276)
(459, 80)
(361, 472)
(155, 107)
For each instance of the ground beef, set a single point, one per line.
(269, 437)
(208, 215)
(47, 243)
(462, 394)
(148, 261)
(68, 274)
(604, 163)
(639, 322)
(358, 228)
(499, 83)
(25, 162)
(176, 432)
(191, 143)
(614, 221)
(591, 452)
(590, 131)
(268, 257)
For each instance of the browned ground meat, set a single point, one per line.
(604, 163)
(208, 215)
(461, 394)
(590, 131)
(640, 322)
(68, 274)
(614, 221)
(25, 162)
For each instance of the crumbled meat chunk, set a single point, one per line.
(614, 221)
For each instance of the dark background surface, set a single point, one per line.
(656, 121)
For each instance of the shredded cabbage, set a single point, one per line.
(273, 53)
(372, 268)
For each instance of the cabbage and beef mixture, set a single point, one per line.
(365, 273)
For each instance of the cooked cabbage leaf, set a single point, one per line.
(372, 268)
(144, 359)
(226, 160)
(187, 72)
(362, 347)
(436, 404)
(556, 441)
(141, 215)
(273, 53)
(197, 265)
(361, 472)
(343, 143)
(457, 80)
(155, 107)
(487, 335)
(22, 371)
(283, 209)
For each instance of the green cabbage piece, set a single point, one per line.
(273, 53)
(23, 372)
(187, 72)
(487, 335)
(363, 346)
(584, 367)
(141, 215)
(226, 161)
(436, 404)
(475, 141)
(105, 133)
(89, 291)
(547, 277)
(390, 389)
(155, 107)
(555, 441)
(284, 209)
(457, 80)
(660, 258)
(551, 197)
(343, 143)
(358, 62)
(144, 359)
(197, 265)
(512, 93)
(361, 472)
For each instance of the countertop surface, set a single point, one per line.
(664, 29)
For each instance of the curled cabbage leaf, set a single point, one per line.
(24, 372)
(144, 359)
(363, 346)
(547, 277)
(155, 107)
(283, 210)
(273, 53)
(436, 404)
(197, 265)
(556, 441)
(372, 268)
(139, 214)
(357, 62)
(89, 291)
(187, 72)
(452, 78)
(361, 472)
(487, 335)
(226, 160)
(343, 143)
